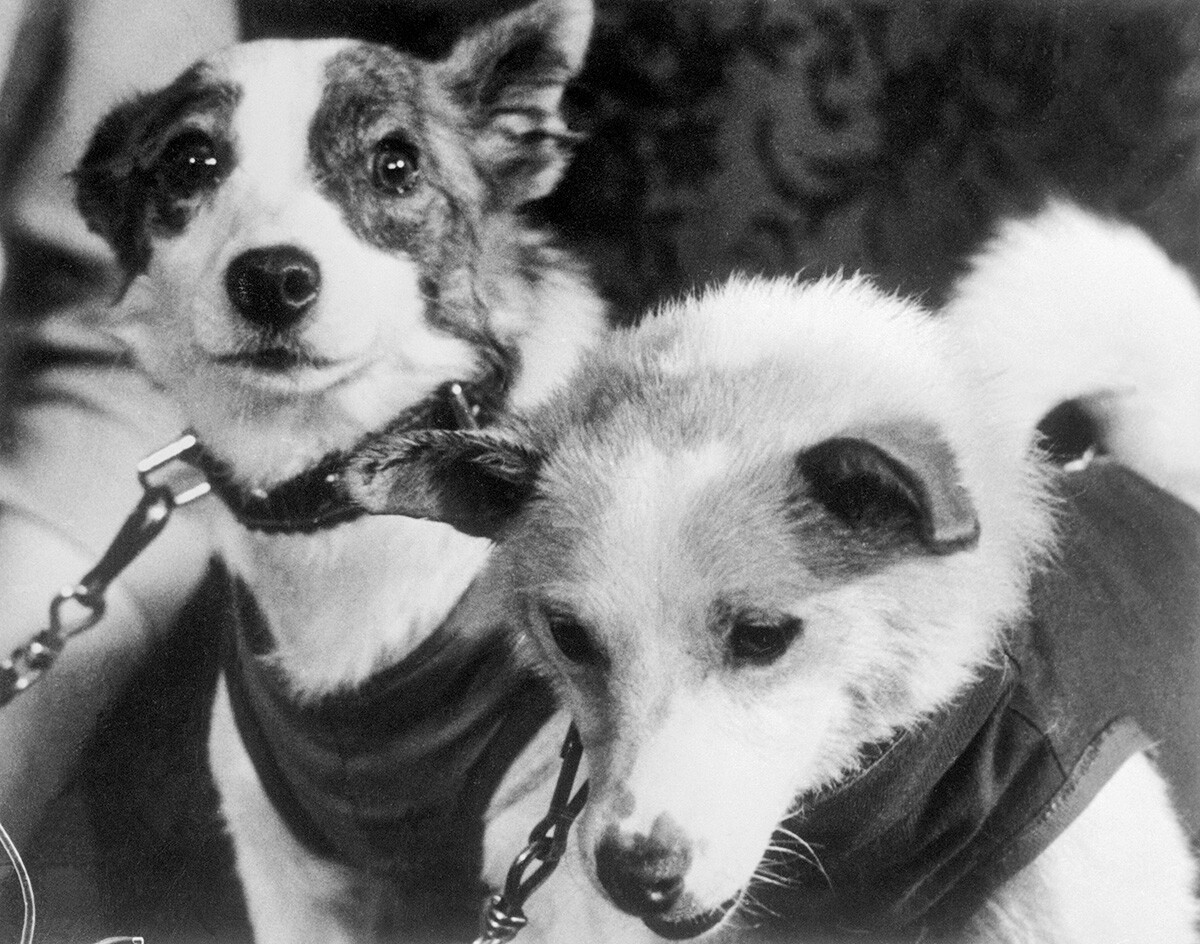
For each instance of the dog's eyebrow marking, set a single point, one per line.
(197, 91)
(372, 92)
(116, 182)
(368, 95)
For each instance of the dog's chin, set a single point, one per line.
(685, 927)
(288, 370)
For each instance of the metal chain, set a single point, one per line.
(31, 661)
(503, 915)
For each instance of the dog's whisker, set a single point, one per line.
(778, 881)
(775, 871)
(751, 907)
(804, 851)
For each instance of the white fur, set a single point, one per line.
(642, 527)
(1121, 872)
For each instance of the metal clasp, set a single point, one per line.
(180, 450)
(466, 414)
(147, 520)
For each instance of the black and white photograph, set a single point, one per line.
(599, 471)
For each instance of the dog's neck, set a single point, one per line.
(345, 602)
(344, 594)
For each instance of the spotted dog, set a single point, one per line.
(850, 659)
(321, 240)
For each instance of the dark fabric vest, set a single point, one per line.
(1107, 664)
(395, 776)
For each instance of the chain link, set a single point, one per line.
(503, 915)
(31, 661)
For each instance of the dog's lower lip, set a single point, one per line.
(275, 360)
(689, 927)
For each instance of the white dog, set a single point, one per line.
(321, 240)
(833, 631)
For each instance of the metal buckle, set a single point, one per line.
(181, 449)
(466, 414)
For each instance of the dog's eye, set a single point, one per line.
(394, 166)
(761, 641)
(573, 640)
(189, 163)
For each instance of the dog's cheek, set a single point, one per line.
(161, 315)
(139, 321)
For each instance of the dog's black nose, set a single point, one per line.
(644, 874)
(273, 286)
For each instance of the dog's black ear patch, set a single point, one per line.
(893, 480)
(475, 481)
(508, 77)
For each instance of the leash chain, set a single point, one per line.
(31, 661)
(503, 914)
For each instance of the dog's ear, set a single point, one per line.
(896, 479)
(475, 481)
(106, 179)
(508, 78)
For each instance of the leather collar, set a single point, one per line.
(316, 499)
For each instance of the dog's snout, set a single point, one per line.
(644, 874)
(274, 286)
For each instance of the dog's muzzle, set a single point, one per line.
(642, 874)
(273, 287)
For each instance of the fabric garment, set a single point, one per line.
(396, 775)
(1105, 666)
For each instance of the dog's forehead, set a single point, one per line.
(298, 79)
(648, 532)
(261, 61)
(279, 82)
(690, 488)
(369, 74)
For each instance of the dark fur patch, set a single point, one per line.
(119, 191)
(443, 223)
(895, 479)
(372, 93)
(475, 481)
(370, 96)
